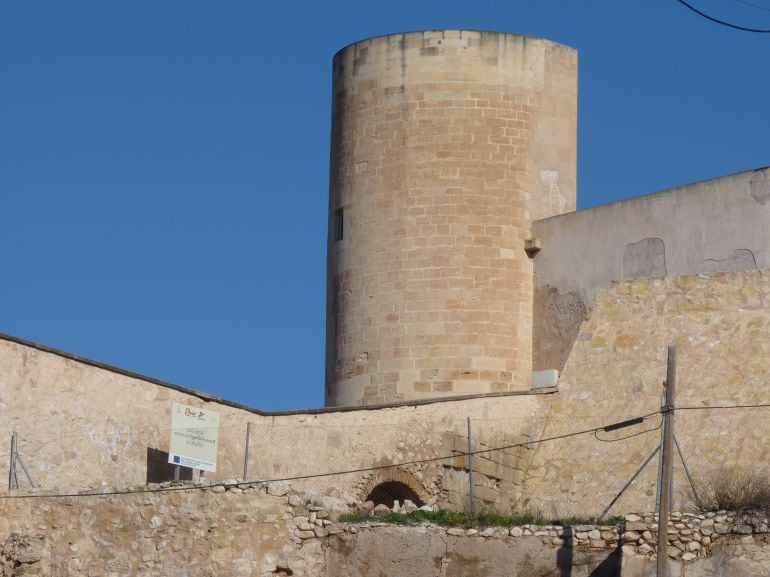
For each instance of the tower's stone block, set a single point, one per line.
(445, 146)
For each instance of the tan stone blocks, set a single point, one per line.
(423, 387)
(430, 163)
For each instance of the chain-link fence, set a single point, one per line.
(455, 462)
(75, 460)
(428, 458)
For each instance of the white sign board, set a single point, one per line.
(194, 437)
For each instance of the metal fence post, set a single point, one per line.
(13, 483)
(470, 469)
(16, 459)
(666, 455)
(246, 452)
(660, 455)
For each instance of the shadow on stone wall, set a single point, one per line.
(610, 567)
(564, 554)
(160, 470)
(556, 323)
(571, 564)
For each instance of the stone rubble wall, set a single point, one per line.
(267, 529)
(203, 531)
(616, 371)
(692, 536)
(377, 550)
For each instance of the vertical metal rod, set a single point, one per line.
(20, 459)
(600, 518)
(666, 483)
(246, 453)
(12, 469)
(686, 469)
(660, 454)
(470, 468)
(671, 487)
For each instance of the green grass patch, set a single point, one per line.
(447, 518)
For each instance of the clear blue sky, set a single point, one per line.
(164, 164)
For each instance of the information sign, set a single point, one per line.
(194, 437)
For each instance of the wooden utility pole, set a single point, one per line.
(667, 456)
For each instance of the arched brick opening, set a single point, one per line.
(389, 491)
(393, 485)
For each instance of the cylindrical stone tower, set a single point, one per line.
(445, 146)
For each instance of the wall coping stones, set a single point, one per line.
(225, 402)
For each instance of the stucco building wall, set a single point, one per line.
(710, 226)
(692, 229)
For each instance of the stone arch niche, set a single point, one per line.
(389, 486)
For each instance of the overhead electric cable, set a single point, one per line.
(332, 473)
(593, 430)
(707, 407)
(598, 438)
(724, 22)
(757, 6)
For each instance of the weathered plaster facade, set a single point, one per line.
(707, 227)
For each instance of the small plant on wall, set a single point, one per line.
(735, 489)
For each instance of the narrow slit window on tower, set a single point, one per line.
(339, 224)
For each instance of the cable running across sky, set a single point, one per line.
(757, 6)
(724, 22)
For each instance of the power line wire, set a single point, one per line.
(318, 475)
(593, 430)
(708, 407)
(723, 22)
(757, 6)
(655, 428)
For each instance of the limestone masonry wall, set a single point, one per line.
(721, 327)
(445, 146)
(103, 428)
(81, 425)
